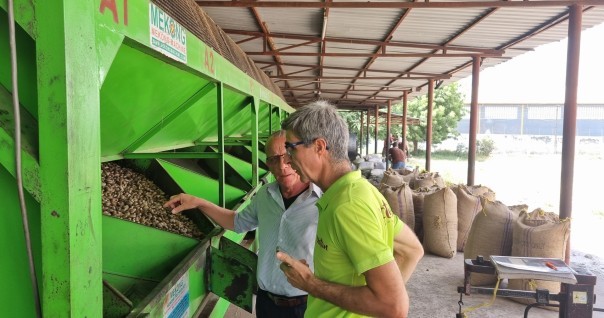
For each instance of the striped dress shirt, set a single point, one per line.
(292, 230)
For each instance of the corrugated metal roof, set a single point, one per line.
(324, 51)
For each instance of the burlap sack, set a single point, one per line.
(440, 223)
(406, 172)
(400, 199)
(423, 180)
(539, 234)
(408, 175)
(438, 180)
(468, 205)
(482, 191)
(366, 165)
(392, 178)
(418, 210)
(519, 208)
(490, 234)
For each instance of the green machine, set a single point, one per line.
(132, 83)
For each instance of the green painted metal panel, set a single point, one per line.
(184, 288)
(68, 114)
(244, 168)
(220, 134)
(171, 117)
(200, 185)
(200, 57)
(26, 66)
(29, 145)
(233, 273)
(25, 15)
(134, 289)
(138, 93)
(139, 90)
(238, 123)
(135, 250)
(238, 172)
(254, 138)
(16, 296)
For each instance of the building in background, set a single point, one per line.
(534, 119)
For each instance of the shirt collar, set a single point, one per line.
(336, 187)
(275, 192)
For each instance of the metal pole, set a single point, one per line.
(429, 124)
(220, 119)
(367, 137)
(404, 132)
(361, 135)
(473, 120)
(388, 131)
(254, 106)
(570, 116)
(377, 115)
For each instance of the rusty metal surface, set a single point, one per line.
(330, 45)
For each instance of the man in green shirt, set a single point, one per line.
(363, 253)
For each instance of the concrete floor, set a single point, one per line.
(433, 293)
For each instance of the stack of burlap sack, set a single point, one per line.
(469, 219)
(372, 168)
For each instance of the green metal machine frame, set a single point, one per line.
(96, 84)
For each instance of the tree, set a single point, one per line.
(446, 113)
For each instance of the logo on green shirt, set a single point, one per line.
(320, 242)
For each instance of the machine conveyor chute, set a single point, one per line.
(101, 93)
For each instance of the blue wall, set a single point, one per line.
(522, 124)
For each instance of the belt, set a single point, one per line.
(283, 301)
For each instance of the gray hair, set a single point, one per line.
(278, 133)
(320, 119)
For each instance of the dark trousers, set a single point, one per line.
(266, 308)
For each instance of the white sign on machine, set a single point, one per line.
(166, 35)
(176, 301)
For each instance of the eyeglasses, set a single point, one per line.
(290, 146)
(274, 160)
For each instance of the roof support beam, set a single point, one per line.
(269, 64)
(374, 55)
(456, 36)
(350, 101)
(382, 48)
(318, 78)
(544, 27)
(570, 117)
(415, 45)
(323, 47)
(399, 5)
(473, 121)
(298, 45)
(269, 41)
(352, 90)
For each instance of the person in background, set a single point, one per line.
(404, 145)
(397, 156)
(359, 241)
(286, 217)
(392, 138)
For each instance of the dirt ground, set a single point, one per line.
(518, 178)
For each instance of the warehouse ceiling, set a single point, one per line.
(359, 54)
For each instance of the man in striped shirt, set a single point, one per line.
(286, 217)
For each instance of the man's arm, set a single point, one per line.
(383, 296)
(224, 217)
(408, 251)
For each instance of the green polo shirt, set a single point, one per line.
(355, 234)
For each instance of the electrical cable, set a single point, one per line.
(13, 60)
